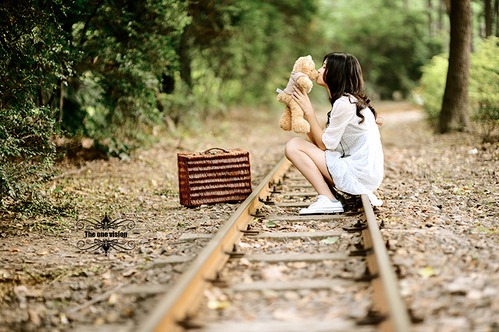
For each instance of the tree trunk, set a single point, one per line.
(489, 17)
(429, 10)
(185, 58)
(448, 4)
(496, 16)
(455, 106)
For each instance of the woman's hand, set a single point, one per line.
(303, 101)
(315, 134)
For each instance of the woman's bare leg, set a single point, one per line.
(311, 162)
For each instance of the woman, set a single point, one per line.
(348, 153)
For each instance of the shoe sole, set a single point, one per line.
(302, 213)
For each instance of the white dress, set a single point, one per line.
(354, 154)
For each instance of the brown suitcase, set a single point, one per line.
(213, 176)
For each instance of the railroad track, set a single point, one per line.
(269, 269)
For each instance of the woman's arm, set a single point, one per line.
(342, 113)
(315, 134)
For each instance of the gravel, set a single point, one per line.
(440, 221)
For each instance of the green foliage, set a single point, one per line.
(430, 91)
(33, 59)
(112, 70)
(121, 64)
(243, 61)
(26, 157)
(25, 135)
(33, 53)
(484, 84)
(391, 42)
(271, 36)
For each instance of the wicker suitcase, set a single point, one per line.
(213, 176)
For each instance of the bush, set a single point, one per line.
(392, 54)
(484, 87)
(484, 84)
(34, 59)
(430, 91)
(26, 156)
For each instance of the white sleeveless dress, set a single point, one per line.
(354, 154)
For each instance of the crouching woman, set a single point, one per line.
(348, 153)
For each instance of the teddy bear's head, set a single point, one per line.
(306, 65)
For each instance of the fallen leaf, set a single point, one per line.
(218, 305)
(426, 272)
(113, 299)
(330, 240)
(270, 224)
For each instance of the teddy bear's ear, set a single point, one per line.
(309, 57)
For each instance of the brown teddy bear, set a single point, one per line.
(303, 74)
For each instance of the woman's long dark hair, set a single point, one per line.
(343, 76)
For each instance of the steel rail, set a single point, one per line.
(182, 301)
(386, 292)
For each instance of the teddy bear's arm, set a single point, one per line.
(305, 83)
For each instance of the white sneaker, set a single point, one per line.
(323, 205)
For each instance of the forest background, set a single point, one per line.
(107, 76)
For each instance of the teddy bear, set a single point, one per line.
(303, 74)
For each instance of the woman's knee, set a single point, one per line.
(292, 146)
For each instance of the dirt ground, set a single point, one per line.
(440, 218)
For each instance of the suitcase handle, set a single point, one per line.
(210, 150)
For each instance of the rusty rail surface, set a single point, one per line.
(182, 301)
(386, 292)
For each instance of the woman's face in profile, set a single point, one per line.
(320, 78)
